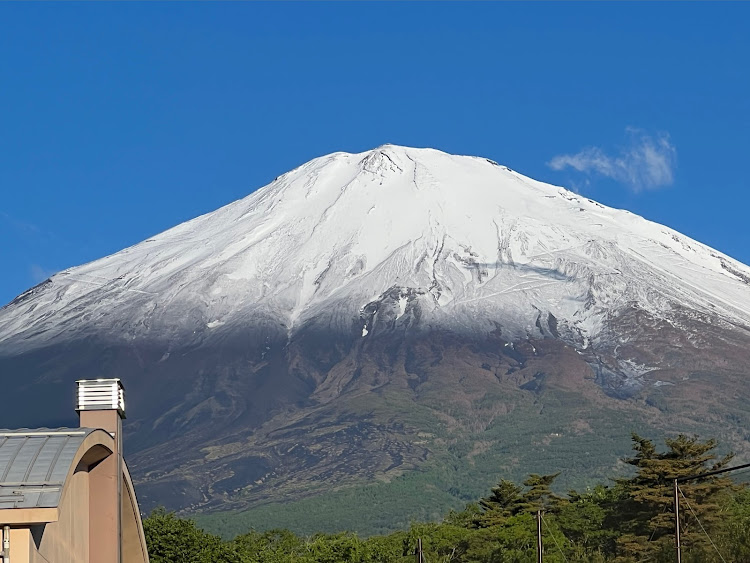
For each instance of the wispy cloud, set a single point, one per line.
(39, 274)
(23, 227)
(645, 162)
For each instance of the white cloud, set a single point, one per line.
(646, 162)
(23, 227)
(40, 274)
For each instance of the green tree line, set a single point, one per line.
(628, 520)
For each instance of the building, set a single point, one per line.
(65, 494)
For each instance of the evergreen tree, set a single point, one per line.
(646, 514)
(539, 496)
(508, 499)
(500, 505)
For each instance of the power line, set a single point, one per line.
(678, 480)
(710, 473)
(553, 537)
(701, 525)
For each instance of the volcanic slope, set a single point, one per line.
(370, 317)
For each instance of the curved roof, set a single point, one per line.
(34, 464)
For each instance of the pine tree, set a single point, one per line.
(508, 499)
(539, 496)
(501, 504)
(646, 515)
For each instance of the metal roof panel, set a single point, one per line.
(34, 464)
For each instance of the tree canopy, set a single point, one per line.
(629, 520)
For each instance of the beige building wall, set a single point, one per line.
(67, 540)
(79, 530)
(134, 548)
(21, 545)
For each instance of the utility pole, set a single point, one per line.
(677, 521)
(418, 551)
(539, 536)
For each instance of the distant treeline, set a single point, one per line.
(632, 519)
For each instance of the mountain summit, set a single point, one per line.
(365, 292)
(394, 235)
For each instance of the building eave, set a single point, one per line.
(28, 516)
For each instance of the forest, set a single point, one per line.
(626, 520)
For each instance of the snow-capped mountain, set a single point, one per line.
(286, 289)
(392, 235)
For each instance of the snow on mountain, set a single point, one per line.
(365, 315)
(391, 237)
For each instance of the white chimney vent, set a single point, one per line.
(100, 394)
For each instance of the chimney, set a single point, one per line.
(100, 403)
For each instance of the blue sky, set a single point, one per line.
(120, 120)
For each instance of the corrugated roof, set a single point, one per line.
(34, 464)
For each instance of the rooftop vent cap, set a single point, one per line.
(100, 394)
